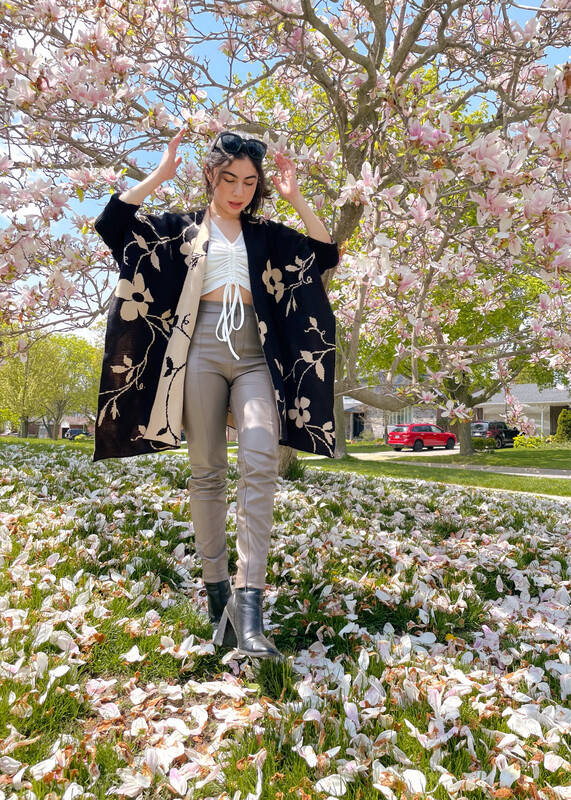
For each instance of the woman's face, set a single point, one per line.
(234, 186)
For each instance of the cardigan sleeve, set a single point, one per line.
(119, 219)
(114, 221)
(326, 253)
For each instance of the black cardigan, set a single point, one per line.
(157, 256)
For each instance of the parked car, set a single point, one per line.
(494, 429)
(420, 435)
(75, 432)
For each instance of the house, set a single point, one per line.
(543, 406)
(355, 413)
(69, 422)
(363, 419)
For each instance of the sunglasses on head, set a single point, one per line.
(233, 144)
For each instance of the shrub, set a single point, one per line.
(484, 444)
(366, 436)
(563, 433)
(81, 437)
(531, 442)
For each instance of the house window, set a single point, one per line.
(357, 424)
(402, 417)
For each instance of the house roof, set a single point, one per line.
(530, 393)
(350, 404)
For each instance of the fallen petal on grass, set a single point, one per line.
(426, 632)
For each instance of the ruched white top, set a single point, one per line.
(227, 265)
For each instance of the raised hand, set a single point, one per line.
(170, 161)
(286, 182)
(288, 188)
(164, 172)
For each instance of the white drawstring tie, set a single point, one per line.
(231, 301)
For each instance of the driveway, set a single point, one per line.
(386, 455)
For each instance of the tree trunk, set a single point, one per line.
(56, 425)
(52, 428)
(464, 433)
(338, 412)
(287, 458)
(24, 426)
(340, 440)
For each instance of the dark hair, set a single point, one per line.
(218, 158)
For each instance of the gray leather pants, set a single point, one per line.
(215, 381)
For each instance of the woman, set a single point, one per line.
(220, 310)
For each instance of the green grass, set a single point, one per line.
(358, 447)
(60, 711)
(367, 447)
(411, 470)
(40, 444)
(506, 457)
(332, 551)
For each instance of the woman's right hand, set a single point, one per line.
(170, 161)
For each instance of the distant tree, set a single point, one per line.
(542, 375)
(57, 375)
(19, 379)
(8, 421)
(90, 373)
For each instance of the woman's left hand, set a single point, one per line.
(288, 187)
(286, 182)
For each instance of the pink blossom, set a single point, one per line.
(514, 244)
(536, 201)
(453, 411)
(493, 204)
(427, 397)
(407, 279)
(318, 201)
(122, 64)
(51, 9)
(419, 212)
(370, 178)
(426, 135)
(109, 176)
(21, 93)
(544, 301)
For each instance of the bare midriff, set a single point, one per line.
(218, 294)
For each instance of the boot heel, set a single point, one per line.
(244, 612)
(225, 635)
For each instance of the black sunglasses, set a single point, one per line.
(233, 144)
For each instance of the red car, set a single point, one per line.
(420, 435)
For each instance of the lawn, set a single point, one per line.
(410, 469)
(367, 447)
(548, 458)
(426, 633)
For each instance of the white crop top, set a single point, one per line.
(227, 265)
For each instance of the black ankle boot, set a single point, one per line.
(218, 595)
(242, 621)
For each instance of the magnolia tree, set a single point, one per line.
(432, 136)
